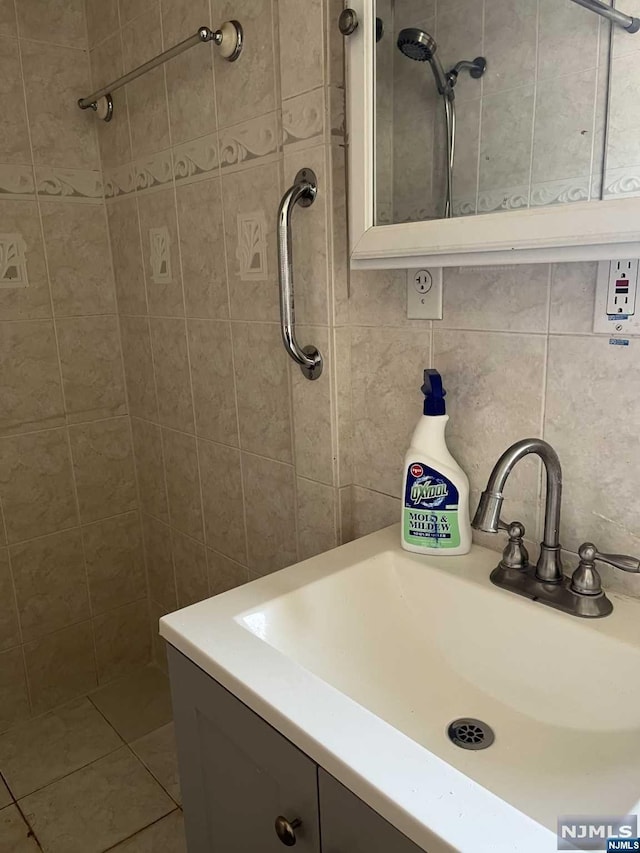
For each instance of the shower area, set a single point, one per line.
(470, 96)
(154, 441)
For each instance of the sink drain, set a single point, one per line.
(468, 733)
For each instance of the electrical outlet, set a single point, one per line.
(424, 294)
(616, 298)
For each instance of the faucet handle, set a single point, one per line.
(515, 555)
(586, 578)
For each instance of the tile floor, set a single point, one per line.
(98, 774)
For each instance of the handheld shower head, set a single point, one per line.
(416, 44)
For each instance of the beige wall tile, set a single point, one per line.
(213, 380)
(343, 404)
(190, 564)
(8, 25)
(387, 375)
(256, 193)
(505, 149)
(147, 445)
(171, 361)
(158, 210)
(60, 667)
(248, 87)
(14, 698)
(157, 544)
(372, 511)
(317, 517)
(511, 42)
(138, 367)
(496, 298)
(146, 97)
(224, 574)
(379, 298)
(136, 704)
(107, 64)
(29, 377)
(61, 134)
(270, 507)
(158, 644)
(14, 134)
(222, 499)
(59, 21)
(36, 485)
(127, 256)
(301, 46)
(115, 562)
(201, 238)
(91, 362)
(123, 640)
(480, 370)
(585, 374)
(130, 9)
(345, 530)
(102, 19)
(312, 412)
(9, 628)
(77, 244)
(103, 468)
(50, 582)
(183, 482)
(262, 388)
(573, 292)
(192, 109)
(26, 303)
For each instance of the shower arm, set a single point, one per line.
(631, 25)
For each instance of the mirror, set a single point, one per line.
(485, 106)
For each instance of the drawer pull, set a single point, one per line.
(285, 830)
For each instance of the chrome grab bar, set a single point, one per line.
(630, 24)
(303, 192)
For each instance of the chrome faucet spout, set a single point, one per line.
(487, 517)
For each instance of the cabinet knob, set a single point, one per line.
(348, 22)
(285, 830)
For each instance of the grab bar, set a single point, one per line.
(303, 192)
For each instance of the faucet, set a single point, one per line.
(487, 517)
(582, 593)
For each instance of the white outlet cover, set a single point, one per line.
(424, 293)
(607, 324)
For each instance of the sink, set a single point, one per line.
(368, 653)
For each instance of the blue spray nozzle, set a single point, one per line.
(434, 393)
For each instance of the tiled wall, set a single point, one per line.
(73, 599)
(236, 452)
(518, 359)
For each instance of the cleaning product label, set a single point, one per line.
(430, 516)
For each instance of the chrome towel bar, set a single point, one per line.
(303, 192)
(229, 39)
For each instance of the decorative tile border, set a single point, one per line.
(242, 145)
(621, 182)
(77, 185)
(119, 181)
(568, 191)
(17, 182)
(303, 119)
(154, 172)
(509, 198)
(196, 160)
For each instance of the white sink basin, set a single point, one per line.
(364, 655)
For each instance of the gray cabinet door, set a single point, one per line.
(237, 773)
(350, 826)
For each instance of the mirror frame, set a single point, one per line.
(593, 230)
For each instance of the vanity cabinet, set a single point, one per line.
(238, 775)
